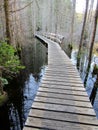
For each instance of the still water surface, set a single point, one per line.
(22, 90)
(91, 78)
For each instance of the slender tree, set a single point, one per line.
(82, 34)
(92, 43)
(7, 20)
(72, 21)
(94, 91)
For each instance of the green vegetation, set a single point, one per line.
(10, 64)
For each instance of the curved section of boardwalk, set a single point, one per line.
(61, 102)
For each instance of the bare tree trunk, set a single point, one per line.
(94, 92)
(7, 15)
(72, 22)
(1, 86)
(92, 43)
(82, 34)
(90, 10)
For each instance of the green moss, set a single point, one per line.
(3, 98)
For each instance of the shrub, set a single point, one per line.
(9, 62)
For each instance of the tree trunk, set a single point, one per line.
(92, 43)
(72, 21)
(94, 90)
(1, 86)
(82, 34)
(7, 20)
(93, 94)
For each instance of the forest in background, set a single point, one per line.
(21, 19)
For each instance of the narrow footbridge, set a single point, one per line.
(61, 102)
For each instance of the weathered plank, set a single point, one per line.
(63, 87)
(82, 119)
(63, 102)
(31, 128)
(62, 83)
(63, 96)
(63, 108)
(62, 80)
(60, 91)
(60, 77)
(62, 71)
(49, 124)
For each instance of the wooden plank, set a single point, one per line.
(63, 91)
(63, 96)
(63, 65)
(60, 68)
(49, 124)
(63, 102)
(62, 73)
(63, 108)
(30, 128)
(64, 69)
(60, 77)
(81, 119)
(62, 83)
(62, 80)
(63, 87)
(46, 124)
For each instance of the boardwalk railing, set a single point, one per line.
(61, 102)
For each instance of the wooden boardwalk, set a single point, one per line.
(61, 102)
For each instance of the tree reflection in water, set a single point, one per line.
(22, 90)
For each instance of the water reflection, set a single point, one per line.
(4, 118)
(22, 90)
(92, 80)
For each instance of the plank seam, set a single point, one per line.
(41, 128)
(75, 122)
(72, 89)
(63, 98)
(63, 84)
(62, 111)
(61, 104)
(62, 93)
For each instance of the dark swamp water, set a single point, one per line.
(92, 78)
(22, 90)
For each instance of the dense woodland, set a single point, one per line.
(20, 20)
